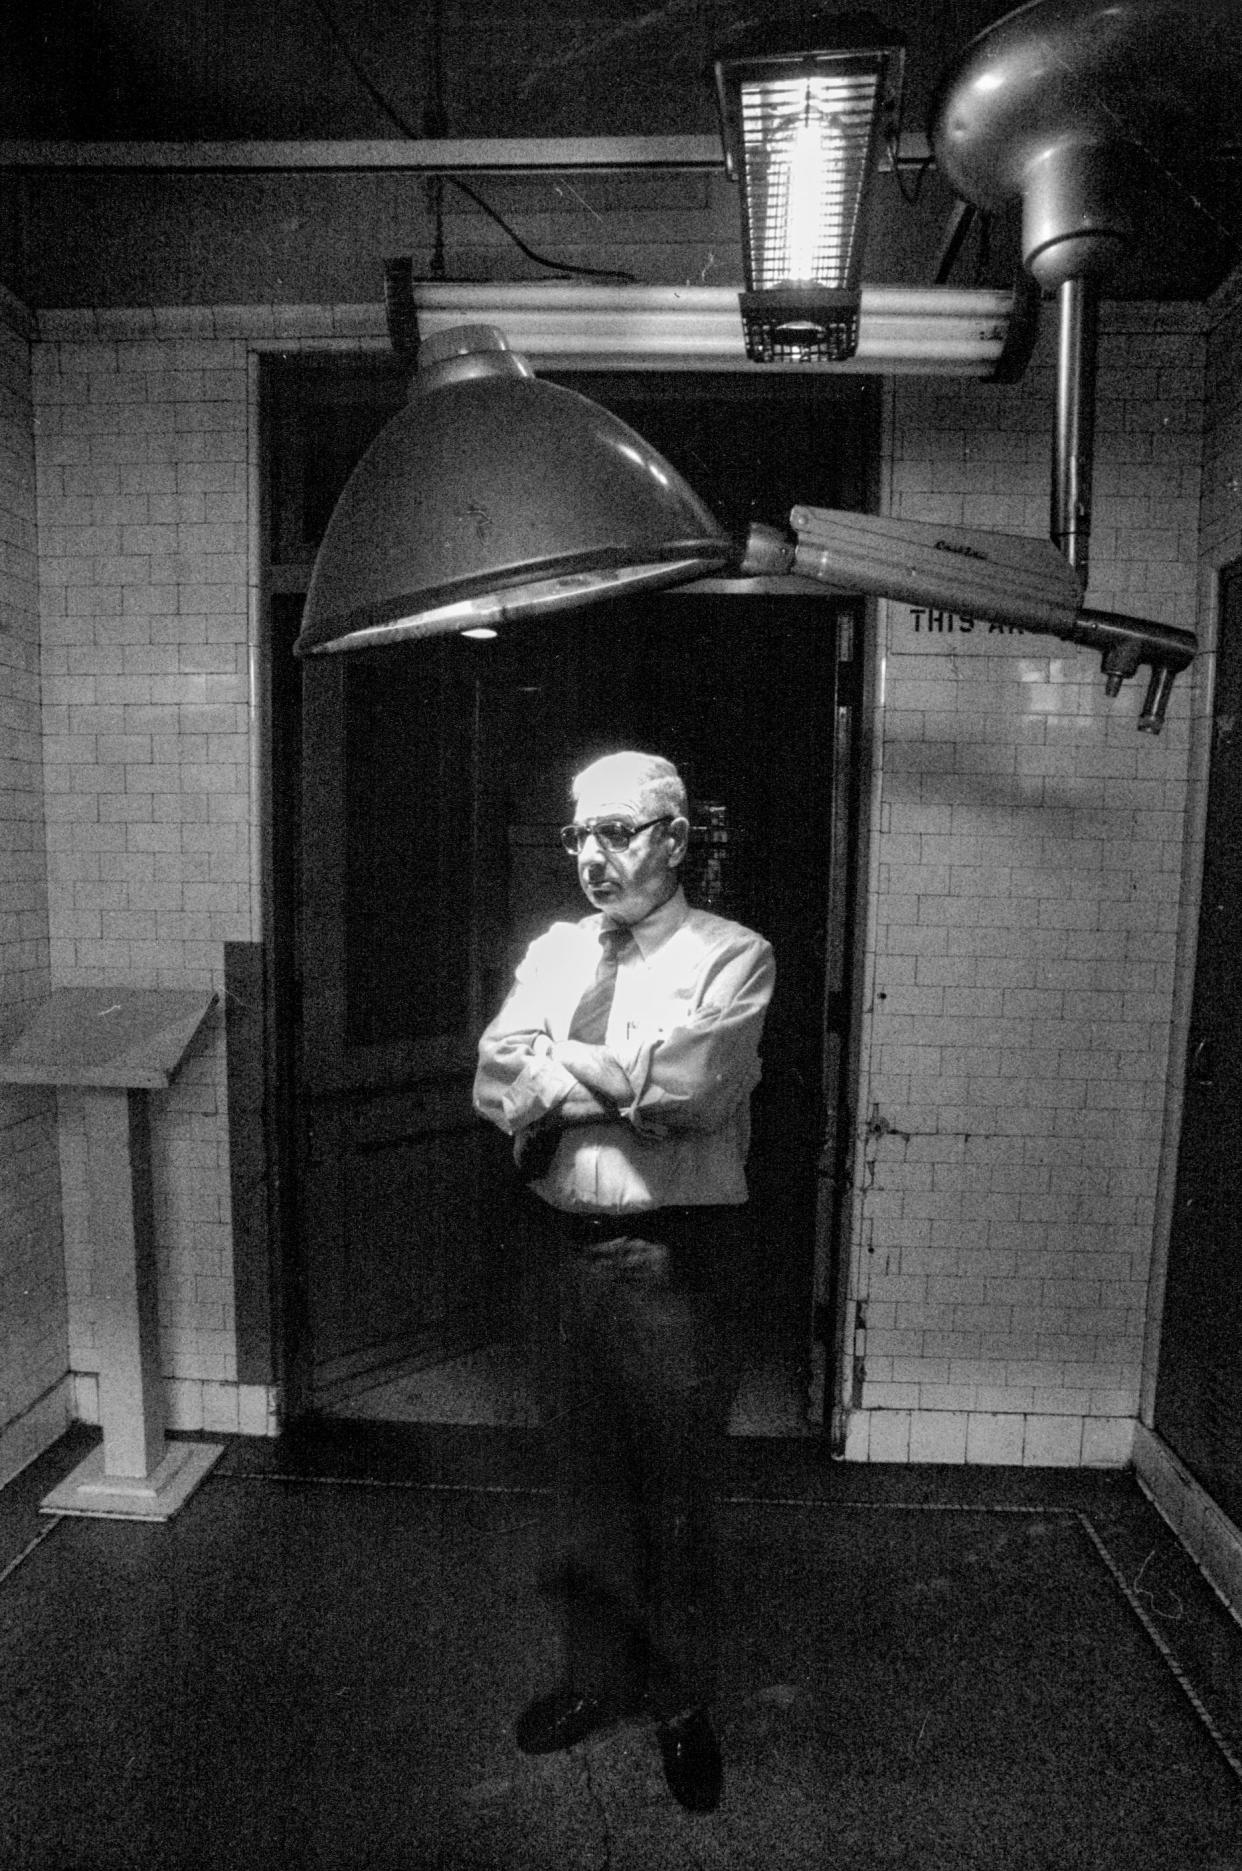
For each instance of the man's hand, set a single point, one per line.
(595, 1069)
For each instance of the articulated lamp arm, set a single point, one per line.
(1001, 576)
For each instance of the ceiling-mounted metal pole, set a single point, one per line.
(1078, 303)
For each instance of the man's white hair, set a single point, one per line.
(651, 776)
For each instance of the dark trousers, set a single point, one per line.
(637, 1354)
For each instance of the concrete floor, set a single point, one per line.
(318, 1662)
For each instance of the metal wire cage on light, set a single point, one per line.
(802, 132)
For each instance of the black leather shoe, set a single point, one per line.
(561, 1720)
(691, 1755)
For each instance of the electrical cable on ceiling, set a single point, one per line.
(435, 125)
(406, 128)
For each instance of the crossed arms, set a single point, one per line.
(686, 1067)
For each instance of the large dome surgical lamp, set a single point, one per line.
(495, 495)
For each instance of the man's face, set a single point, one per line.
(627, 885)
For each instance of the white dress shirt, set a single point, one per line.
(692, 990)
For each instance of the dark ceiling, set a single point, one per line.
(280, 69)
(381, 70)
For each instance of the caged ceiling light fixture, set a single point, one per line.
(803, 119)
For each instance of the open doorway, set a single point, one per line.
(416, 796)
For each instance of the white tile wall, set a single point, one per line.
(33, 1344)
(144, 426)
(143, 446)
(1024, 915)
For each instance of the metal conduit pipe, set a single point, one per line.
(1078, 307)
(1075, 106)
(1124, 642)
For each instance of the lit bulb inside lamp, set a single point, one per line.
(800, 197)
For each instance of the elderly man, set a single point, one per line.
(622, 1065)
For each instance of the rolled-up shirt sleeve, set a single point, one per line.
(694, 1073)
(516, 1081)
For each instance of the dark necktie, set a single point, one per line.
(590, 1023)
(590, 1019)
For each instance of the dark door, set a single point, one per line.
(746, 694)
(397, 1194)
(380, 996)
(417, 813)
(1199, 1385)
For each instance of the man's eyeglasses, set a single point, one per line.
(609, 834)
